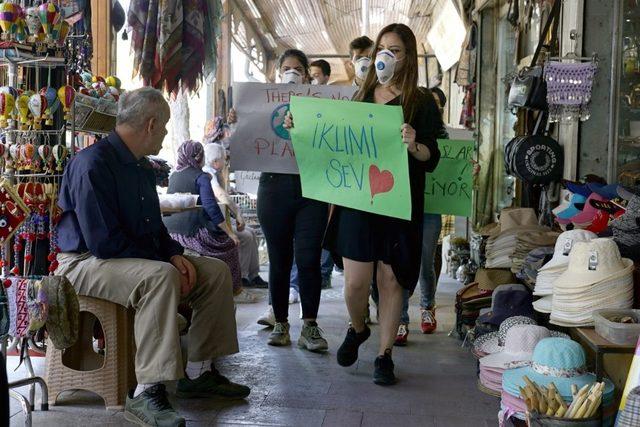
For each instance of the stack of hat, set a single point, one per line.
(517, 352)
(559, 361)
(556, 266)
(597, 277)
(626, 229)
(478, 295)
(517, 235)
(532, 263)
(494, 342)
(590, 205)
(507, 301)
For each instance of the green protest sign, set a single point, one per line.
(351, 154)
(448, 188)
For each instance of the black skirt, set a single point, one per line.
(366, 237)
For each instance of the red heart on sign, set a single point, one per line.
(379, 181)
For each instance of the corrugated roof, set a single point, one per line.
(327, 26)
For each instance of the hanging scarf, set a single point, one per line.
(173, 45)
(190, 154)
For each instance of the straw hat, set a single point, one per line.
(543, 305)
(592, 262)
(555, 360)
(564, 244)
(515, 219)
(519, 344)
(490, 279)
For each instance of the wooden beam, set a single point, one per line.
(102, 34)
(223, 73)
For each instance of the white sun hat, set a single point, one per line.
(518, 348)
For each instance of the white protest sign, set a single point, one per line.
(259, 142)
(247, 181)
(447, 35)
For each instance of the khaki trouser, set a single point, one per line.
(248, 251)
(152, 288)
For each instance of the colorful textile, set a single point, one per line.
(215, 245)
(174, 46)
(190, 154)
(448, 227)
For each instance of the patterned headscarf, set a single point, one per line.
(190, 154)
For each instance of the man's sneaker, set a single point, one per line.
(294, 296)
(245, 297)
(280, 334)
(211, 384)
(152, 408)
(311, 338)
(259, 282)
(403, 335)
(383, 371)
(348, 351)
(268, 318)
(428, 323)
(326, 282)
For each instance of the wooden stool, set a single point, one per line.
(79, 367)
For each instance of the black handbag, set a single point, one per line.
(535, 159)
(528, 88)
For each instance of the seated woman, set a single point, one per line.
(204, 230)
(215, 158)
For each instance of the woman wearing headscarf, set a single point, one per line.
(215, 158)
(204, 230)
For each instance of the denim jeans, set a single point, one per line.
(326, 268)
(431, 227)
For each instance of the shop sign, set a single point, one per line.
(351, 154)
(259, 141)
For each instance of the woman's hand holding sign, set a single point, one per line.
(418, 151)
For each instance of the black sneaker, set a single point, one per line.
(348, 351)
(258, 282)
(383, 372)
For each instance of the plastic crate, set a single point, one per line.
(617, 333)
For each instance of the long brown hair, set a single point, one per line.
(407, 80)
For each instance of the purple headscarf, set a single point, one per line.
(190, 154)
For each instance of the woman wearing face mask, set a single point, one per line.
(386, 246)
(292, 224)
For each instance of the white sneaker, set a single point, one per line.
(268, 318)
(294, 297)
(245, 297)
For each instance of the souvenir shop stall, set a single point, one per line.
(49, 106)
(550, 310)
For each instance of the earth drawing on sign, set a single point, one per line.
(277, 121)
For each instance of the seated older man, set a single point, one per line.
(115, 247)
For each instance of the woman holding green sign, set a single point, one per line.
(370, 243)
(292, 223)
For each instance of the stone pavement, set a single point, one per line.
(292, 387)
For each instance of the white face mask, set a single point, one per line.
(292, 76)
(385, 65)
(314, 82)
(362, 66)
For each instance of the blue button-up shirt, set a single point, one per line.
(110, 206)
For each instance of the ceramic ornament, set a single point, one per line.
(7, 103)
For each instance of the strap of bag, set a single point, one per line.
(553, 18)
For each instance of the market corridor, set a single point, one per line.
(291, 387)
